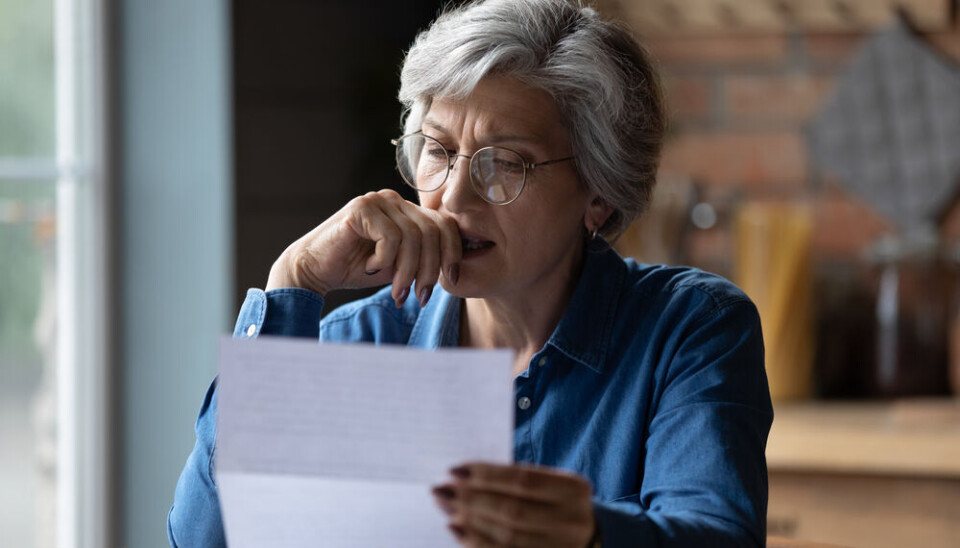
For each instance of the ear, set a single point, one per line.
(597, 214)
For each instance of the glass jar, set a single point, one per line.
(913, 285)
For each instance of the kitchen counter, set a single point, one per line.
(877, 474)
(909, 437)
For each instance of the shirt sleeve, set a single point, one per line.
(194, 519)
(705, 472)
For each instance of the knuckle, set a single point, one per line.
(408, 226)
(527, 479)
(387, 193)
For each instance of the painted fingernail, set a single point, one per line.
(444, 492)
(372, 272)
(425, 295)
(460, 472)
(454, 273)
(402, 298)
(457, 531)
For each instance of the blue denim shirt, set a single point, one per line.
(652, 387)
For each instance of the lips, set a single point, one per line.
(474, 243)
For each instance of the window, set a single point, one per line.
(53, 218)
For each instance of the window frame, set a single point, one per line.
(84, 273)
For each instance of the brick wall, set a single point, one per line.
(739, 107)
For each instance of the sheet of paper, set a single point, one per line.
(338, 445)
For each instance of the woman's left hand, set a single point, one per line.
(517, 506)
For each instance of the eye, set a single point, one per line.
(508, 166)
(435, 150)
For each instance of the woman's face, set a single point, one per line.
(535, 242)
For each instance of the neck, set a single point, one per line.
(522, 321)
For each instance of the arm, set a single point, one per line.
(705, 475)
(194, 519)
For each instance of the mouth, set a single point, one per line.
(475, 246)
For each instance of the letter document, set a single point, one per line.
(339, 444)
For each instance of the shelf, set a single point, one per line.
(669, 17)
(909, 437)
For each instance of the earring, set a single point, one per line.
(593, 234)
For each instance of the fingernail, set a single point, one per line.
(372, 272)
(425, 295)
(460, 472)
(402, 298)
(454, 273)
(458, 531)
(444, 492)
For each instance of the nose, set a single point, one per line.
(458, 193)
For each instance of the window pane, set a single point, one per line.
(26, 79)
(27, 373)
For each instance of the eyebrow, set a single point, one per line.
(496, 138)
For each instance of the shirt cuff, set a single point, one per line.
(291, 312)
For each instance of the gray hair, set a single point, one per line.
(601, 78)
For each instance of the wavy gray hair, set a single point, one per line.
(601, 78)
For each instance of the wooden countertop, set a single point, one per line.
(905, 437)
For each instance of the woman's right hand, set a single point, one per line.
(375, 239)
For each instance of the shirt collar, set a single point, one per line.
(583, 333)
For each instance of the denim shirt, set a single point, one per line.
(652, 387)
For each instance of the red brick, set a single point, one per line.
(833, 48)
(754, 159)
(712, 50)
(711, 250)
(951, 224)
(688, 97)
(781, 98)
(947, 43)
(845, 224)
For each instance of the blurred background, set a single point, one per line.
(156, 157)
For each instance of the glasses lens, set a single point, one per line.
(497, 174)
(422, 161)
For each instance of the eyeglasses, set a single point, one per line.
(497, 174)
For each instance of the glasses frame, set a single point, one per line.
(451, 162)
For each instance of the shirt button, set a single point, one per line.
(251, 330)
(523, 403)
(542, 362)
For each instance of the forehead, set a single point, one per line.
(499, 106)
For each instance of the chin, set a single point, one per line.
(465, 288)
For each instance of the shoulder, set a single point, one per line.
(372, 319)
(681, 287)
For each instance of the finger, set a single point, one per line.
(510, 511)
(467, 536)
(445, 498)
(370, 222)
(535, 483)
(492, 533)
(451, 247)
(429, 270)
(407, 261)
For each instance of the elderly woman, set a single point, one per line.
(533, 133)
